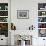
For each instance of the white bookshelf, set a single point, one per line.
(3, 12)
(42, 13)
(4, 18)
(42, 18)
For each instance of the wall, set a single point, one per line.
(23, 24)
(32, 6)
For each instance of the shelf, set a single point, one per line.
(42, 16)
(41, 22)
(4, 19)
(41, 28)
(3, 10)
(42, 19)
(3, 16)
(41, 10)
(3, 22)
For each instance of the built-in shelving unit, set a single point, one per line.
(42, 19)
(4, 19)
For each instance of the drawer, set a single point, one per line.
(3, 41)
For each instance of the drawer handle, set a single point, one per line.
(43, 39)
(1, 39)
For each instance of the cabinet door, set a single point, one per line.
(41, 41)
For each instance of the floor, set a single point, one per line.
(3, 45)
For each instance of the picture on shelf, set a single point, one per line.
(3, 13)
(22, 14)
(41, 6)
(41, 19)
(3, 19)
(41, 13)
(41, 25)
(3, 6)
(0, 7)
(6, 7)
(4, 29)
(42, 33)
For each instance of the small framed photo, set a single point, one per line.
(22, 14)
(42, 33)
(6, 7)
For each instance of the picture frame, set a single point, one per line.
(22, 14)
(42, 33)
(13, 27)
(6, 7)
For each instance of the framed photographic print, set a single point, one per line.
(22, 14)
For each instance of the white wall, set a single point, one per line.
(32, 6)
(23, 24)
